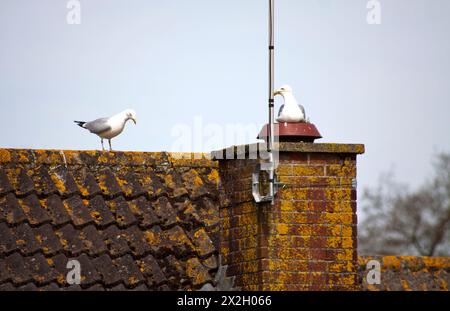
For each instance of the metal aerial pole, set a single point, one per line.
(270, 134)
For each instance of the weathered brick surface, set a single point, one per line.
(307, 240)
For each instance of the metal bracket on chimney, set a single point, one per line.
(260, 198)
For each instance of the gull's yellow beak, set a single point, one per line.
(277, 92)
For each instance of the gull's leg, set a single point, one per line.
(103, 148)
(110, 148)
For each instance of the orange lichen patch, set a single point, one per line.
(68, 208)
(347, 242)
(405, 285)
(300, 170)
(102, 184)
(5, 156)
(335, 195)
(20, 242)
(168, 179)
(334, 242)
(125, 186)
(39, 238)
(22, 156)
(96, 215)
(335, 230)
(141, 266)
(344, 255)
(372, 288)
(198, 181)
(59, 183)
(203, 242)
(282, 228)
(213, 176)
(10, 218)
(436, 262)
(50, 262)
(133, 280)
(337, 267)
(83, 190)
(61, 279)
(120, 219)
(443, 285)
(25, 207)
(196, 272)
(391, 262)
(103, 158)
(152, 238)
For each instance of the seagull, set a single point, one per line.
(108, 128)
(290, 111)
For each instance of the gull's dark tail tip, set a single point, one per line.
(80, 123)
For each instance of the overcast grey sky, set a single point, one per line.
(386, 86)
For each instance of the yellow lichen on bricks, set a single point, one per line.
(290, 253)
(343, 206)
(347, 242)
(344, 254)
(334, 242)
(296, 218)
(287, 265)
(348, 169)
(337, 267)
(299, 194)
(285, 170)
(301, 170)
(314, 218)
(335, 230)
(347, 231)
(338, 194)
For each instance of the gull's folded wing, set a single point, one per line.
(98, 126)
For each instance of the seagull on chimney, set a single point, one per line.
(290, 111)
(108, 128)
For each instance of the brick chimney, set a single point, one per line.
(307, 239)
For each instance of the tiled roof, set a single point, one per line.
(404, 273)
(133, 220)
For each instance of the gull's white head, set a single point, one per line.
(130, 114)
(283, 90)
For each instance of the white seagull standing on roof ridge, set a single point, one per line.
(108, 128)
(290, 111)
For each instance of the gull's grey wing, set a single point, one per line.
(281, 110)
(98, 126)
(303, 110)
